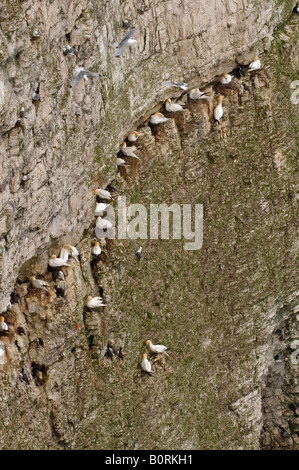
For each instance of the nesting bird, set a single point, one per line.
(146, 365)
(195, 94)
(218, 111)
(96, 251)
(94, 302)
(23, 113)
(38, 283)
(158, 118)
(55, 262)
(255, 65)
(226, 79)
(121, 162)
(3, 325)
(182, 85)
(139, 255)
(157, 348)
(81, 73)
(125, 42)
(129, 151)
(102, 193)
(72, 251)
(133, 136)
(172, 107)
(70, 51)
(100, 208)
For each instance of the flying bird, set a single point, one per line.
(71, 51)
(255, 65)
(195, 94)
(182, 85)
(39, 283)
(157, 348)
(218, 111)
(125, 42)
(82, 74)
(146, 365)
(158, 118)
(55, 262)
(172, 107)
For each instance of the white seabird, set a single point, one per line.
(94, 302)
(71, 51)
(100, 208)
(3, 325)
(226, 79)
(182, 85)
(103, 224)
(2, 348)
(195, 94)
(129, 151)
(157, 348)
(36, 33)
(102, 193)
(55, 262)
(72, 250)
(64, 253)
(172, 107)
(121, 162)
(39, 283)
(218, 111)
(125, 42)
(133, 136)
(255, 65)
(82, 74)
(158, 118)
(96, 249)
(145, 364)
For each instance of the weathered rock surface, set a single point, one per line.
(217, 308)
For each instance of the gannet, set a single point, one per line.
(100, 208)
(158, 118)
(93, 302)
(38, 283)
(133, 136)
(68, 50)
(125, 42)
(255, 65)
(226, 79)
(146, 365)
(157, 348)
(55, 262)
(72, 250)
(3, 325)
(2, 348)
(82, 74)
(96, 249)
(23, 113)
(121, 162)
(195, 94)
(218, 111)
(139, 255)
(103, 224)
(129, 151)
(102, 193)
(182, 85)
(172, 107)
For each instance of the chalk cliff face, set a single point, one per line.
(216, 308)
